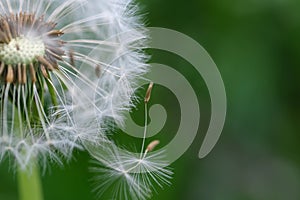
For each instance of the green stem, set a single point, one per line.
(29, 183)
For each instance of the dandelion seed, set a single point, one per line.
(130, 175)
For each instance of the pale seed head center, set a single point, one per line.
(22, 50)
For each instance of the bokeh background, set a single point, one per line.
(256, 46)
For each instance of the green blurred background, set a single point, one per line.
(256, 46)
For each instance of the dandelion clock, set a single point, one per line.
(68, 69)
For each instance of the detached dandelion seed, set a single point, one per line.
(131, 175)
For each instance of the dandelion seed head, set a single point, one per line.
(67, 67)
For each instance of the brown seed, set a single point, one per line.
(45, 62)
(19, 73)
(3, 37)
(55, 33)
(152, 145)
(7, 29)
(44, 71)
(10, 74)
(32, 73)
(148, 93)
(20, 20)
(26, 20)
(24, 74)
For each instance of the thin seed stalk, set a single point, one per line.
(29, 184)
